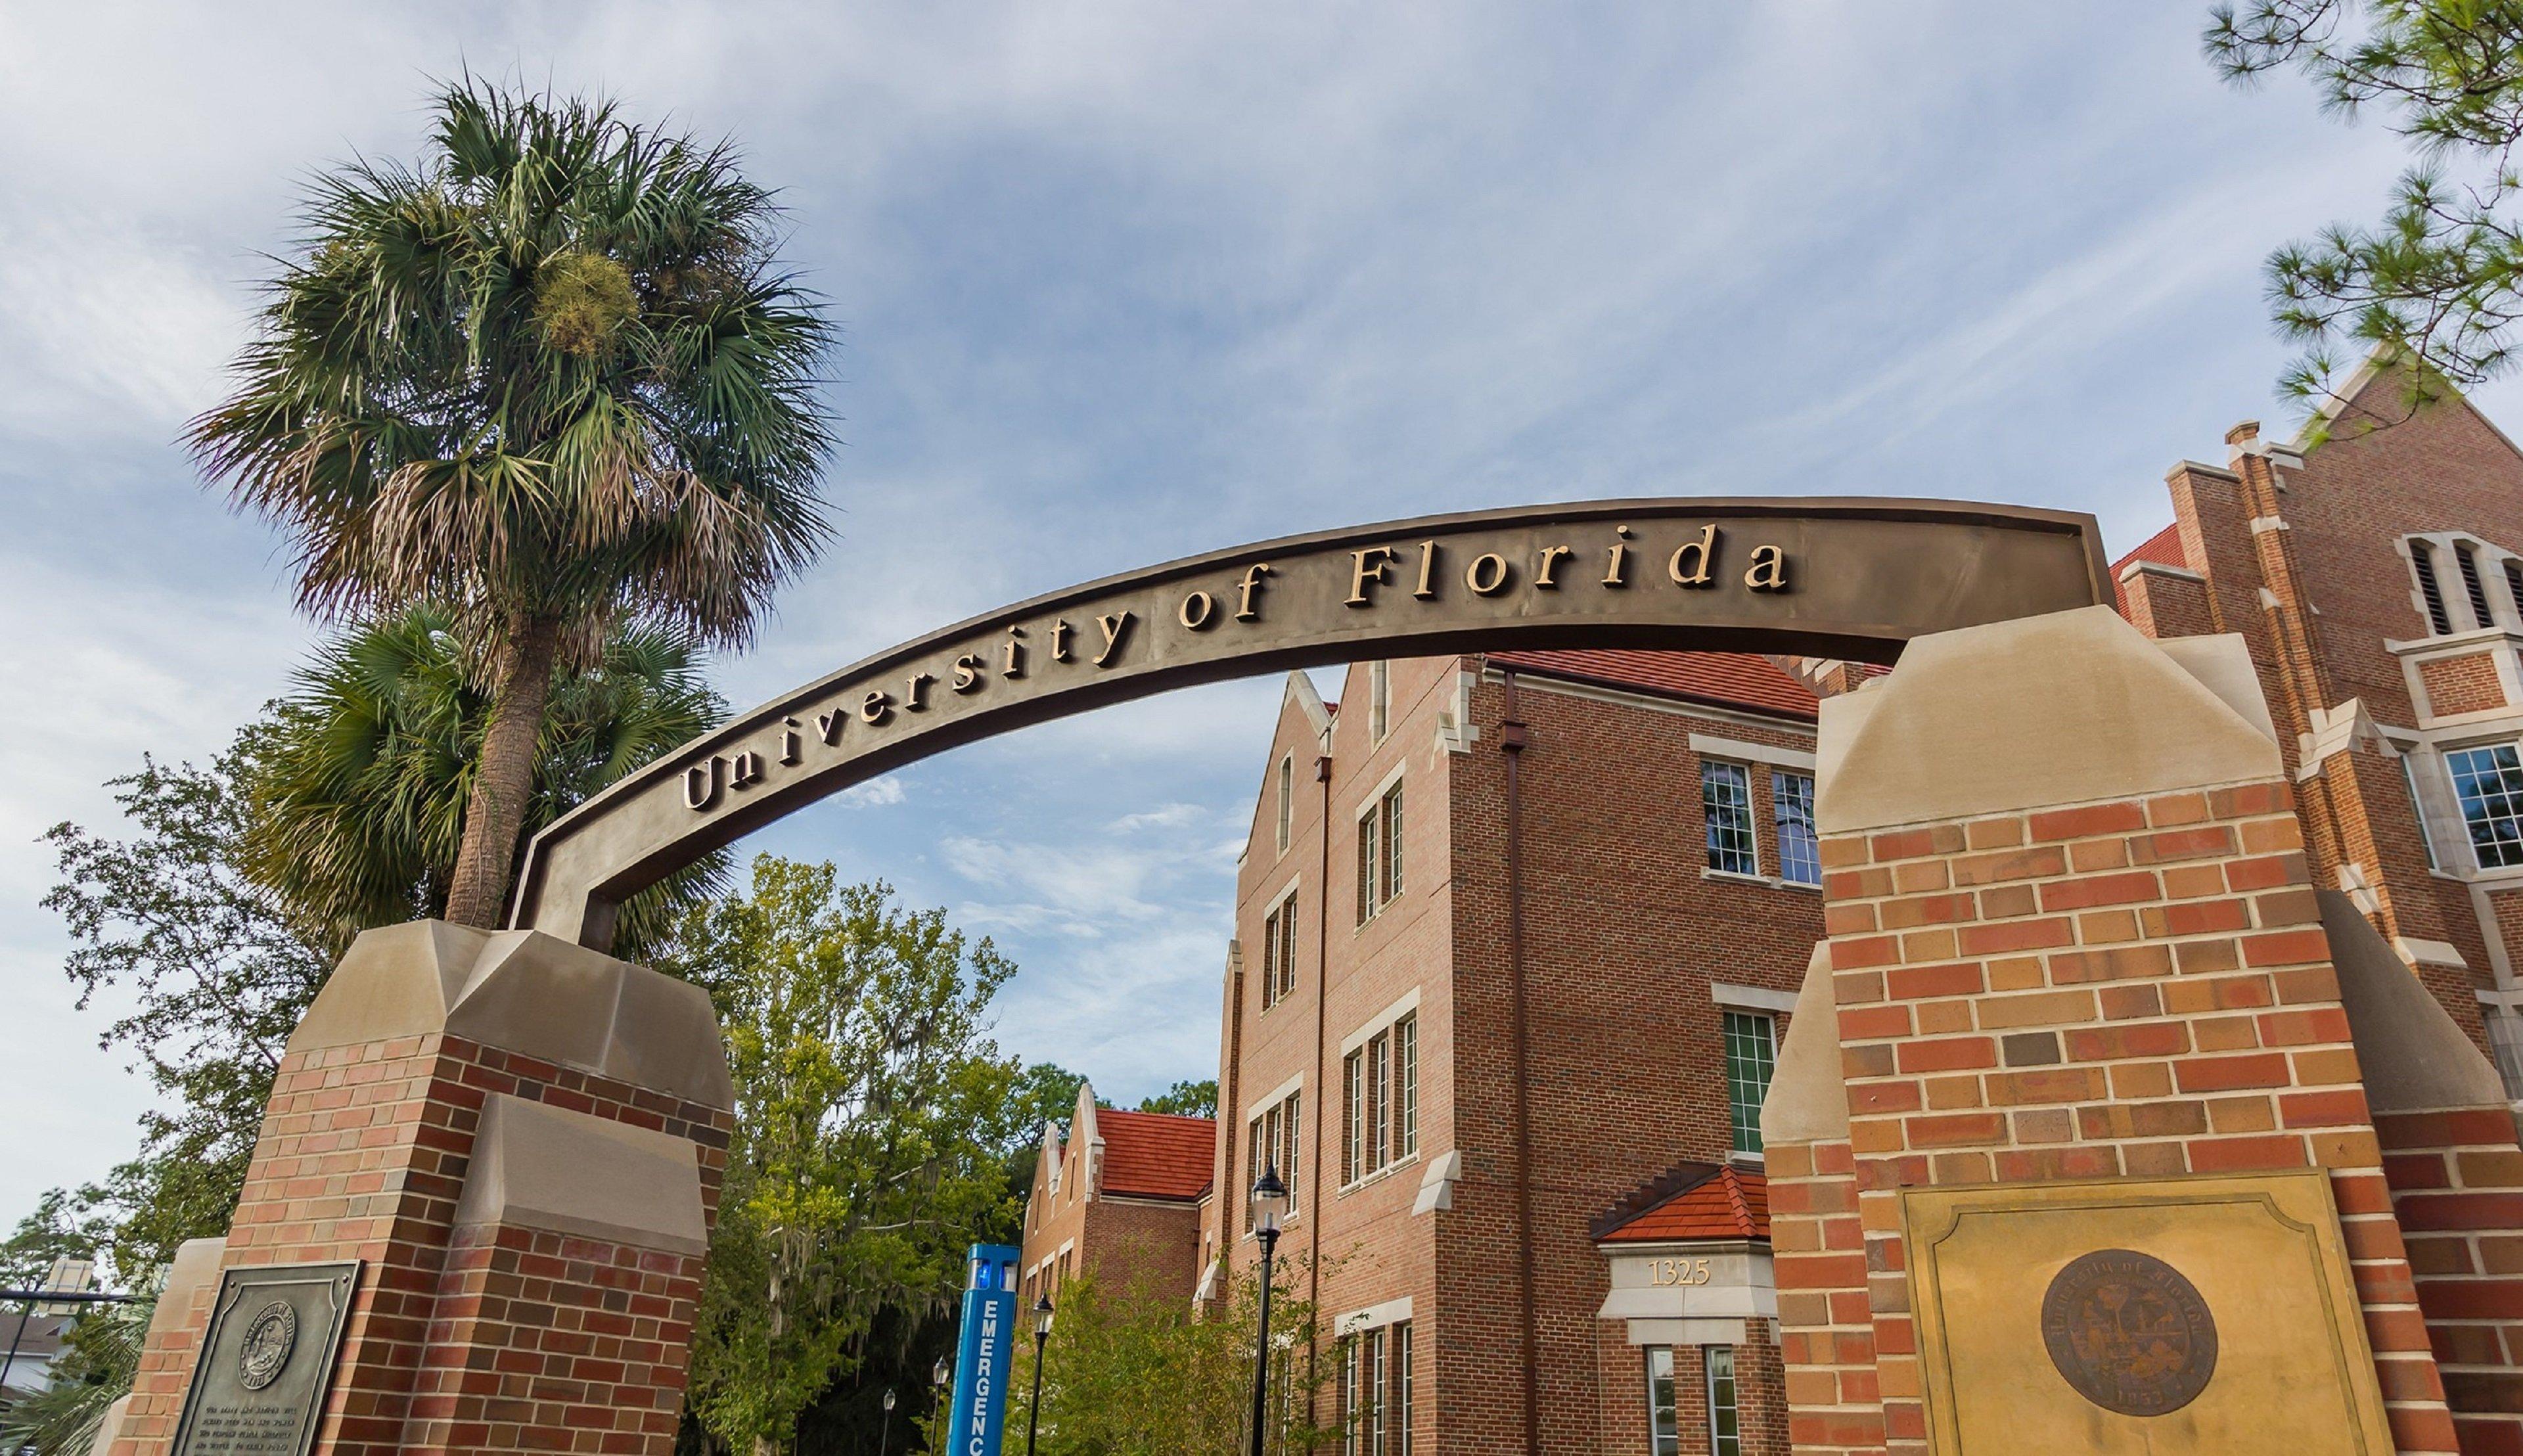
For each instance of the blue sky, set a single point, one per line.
(1120, 282)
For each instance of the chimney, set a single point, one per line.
(2243, 433)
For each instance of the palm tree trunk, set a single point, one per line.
(479, 894)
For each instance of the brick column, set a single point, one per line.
(521, 1141)
(2072, 938)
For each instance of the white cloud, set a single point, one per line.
(1126, 280)
(876, 793)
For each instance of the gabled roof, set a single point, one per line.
(1733, 680)
(1691, 1202)
(1156, 1155)
(2163, 548)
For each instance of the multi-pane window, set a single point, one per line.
(1379, 854)
(2489, 783)
(1726, 799)
(1791, 798)
(1380, 1100)
(1751, 1055)
(1287, 799)
(1379, 700)
(1279, 953)
(1375, 1393)
(1274, 1136)
(1725, 1418)
(1664, 1424)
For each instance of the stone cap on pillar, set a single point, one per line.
(2414, 1057)
(1808, 1098)
(526, 992)
(2071, 707)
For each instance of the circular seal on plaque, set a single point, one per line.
(2130, 1333)
(264, 1351)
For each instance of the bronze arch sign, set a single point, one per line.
(1829, 577)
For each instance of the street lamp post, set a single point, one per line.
(1041, 1339)
(1269, 1201)
(884, 1437)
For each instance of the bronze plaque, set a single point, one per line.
(2130, 1333)
(266, 1360)
(2140, 1317)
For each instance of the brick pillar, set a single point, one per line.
(2456, 1174)
(2073, 942)
(1818, 1246)
(520, 1140)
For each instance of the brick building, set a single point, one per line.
(1640, 825)
(2371, 565)
(1118, 1197)
(1600, 867)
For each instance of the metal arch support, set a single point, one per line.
(1832, 578)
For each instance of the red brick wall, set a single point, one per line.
(1626, 1054)
(1623, 934)
(1826, 1314)
(362, 1156)
(2456, 1180)
(2165, 604)
(536, 1338)
(2461, 685)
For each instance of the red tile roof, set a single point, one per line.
(1156, 1155)
(1724, 1203)
(1735, 679)
(2163, 548)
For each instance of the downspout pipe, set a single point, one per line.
(1512, 742)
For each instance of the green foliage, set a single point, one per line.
(1125, 1376)
(552, 377)
(424, 414)
(361, 783)
(94, 1369)
(214, 973)
(866, 1091)
(2438, 285)
(1186, 1100)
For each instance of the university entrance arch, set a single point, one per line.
(1851, 578)
(2098, 1125)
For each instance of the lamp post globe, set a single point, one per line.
(884, 1437)
(1041, 1337)
(1269, 1204)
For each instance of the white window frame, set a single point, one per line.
(1286, 817)
(1751, 819)
(1271, 991)
(1398, 1107)
(1384, 868)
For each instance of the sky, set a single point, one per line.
(1121, 282)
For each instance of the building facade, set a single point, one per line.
(2372, 567)
(1516, 938)
(1118, 1197)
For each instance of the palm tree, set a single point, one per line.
(554, 377)
(360, 777)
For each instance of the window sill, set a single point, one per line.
(1376, 1177)
(1771, 881)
